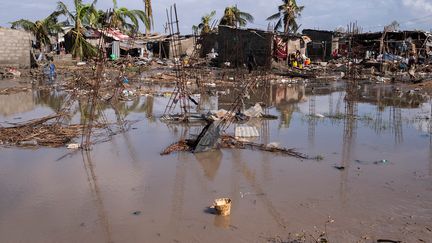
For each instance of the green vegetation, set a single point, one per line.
(286, 16)
(235, 18)
(41, 29)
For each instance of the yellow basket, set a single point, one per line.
(223, 206)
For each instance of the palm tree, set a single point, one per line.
(83, 15)
(234, 17)
(120, 17)
(204, 26)
(41, 29)
(101, 21)
(287, 13)
(149, 13)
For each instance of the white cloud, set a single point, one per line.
(323, 14)
(421, 5)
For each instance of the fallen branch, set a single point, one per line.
(230, 142)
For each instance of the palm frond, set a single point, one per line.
(63, 9)
(278, 25)
(143, 17)
(246, 16)
(274, 17)
(24, 24)
(212, 14)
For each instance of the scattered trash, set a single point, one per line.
(73, 146)
(230, 142)
(42, 132)
(339, 167)
(388, 241)
(136, 213)
(269, 117)
(383, 161)
(273, 145)
(212, 85)
(127, 93)
(246, 132)
(13, 72)
(242, 195)
(317, 115)
(222, 206)
(255, 111)
(28, 143)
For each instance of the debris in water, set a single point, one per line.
(222, 206)
(339, 167)
(73, 146)
(229, 142)
(383, 161)
(317, 115)
(246, 132)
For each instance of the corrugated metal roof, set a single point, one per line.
(246, 132)
(115, 34)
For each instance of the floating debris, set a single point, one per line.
(230, 142)
(222, 206)
(339, 167)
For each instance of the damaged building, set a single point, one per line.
(371, 45)
(323, 44)
(121, 45)
(236, 46)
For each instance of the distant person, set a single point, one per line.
(411, 65)
(335, 54)
(299, 59)
(251, 62)
(52, 70)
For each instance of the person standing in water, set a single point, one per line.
(52, 70)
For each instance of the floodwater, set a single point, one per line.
(124, 191)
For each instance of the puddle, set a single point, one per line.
(91, 196)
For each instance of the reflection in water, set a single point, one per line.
(16, 103)
(285, 98)
(250, 177)
(330, 111)
(178, 192)
(210, 162)
(430, 140)
(349, 134)
(312, 121)
(208, 103)
(148, 108)
(430, 154)
(94, 188)
(396, 124)
(257, 173)
(223, 222)
(286, 112)
(51, 98)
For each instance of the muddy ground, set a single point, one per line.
(374, 181)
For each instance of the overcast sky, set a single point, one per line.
(372, 15)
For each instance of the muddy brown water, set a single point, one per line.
(124, 191)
